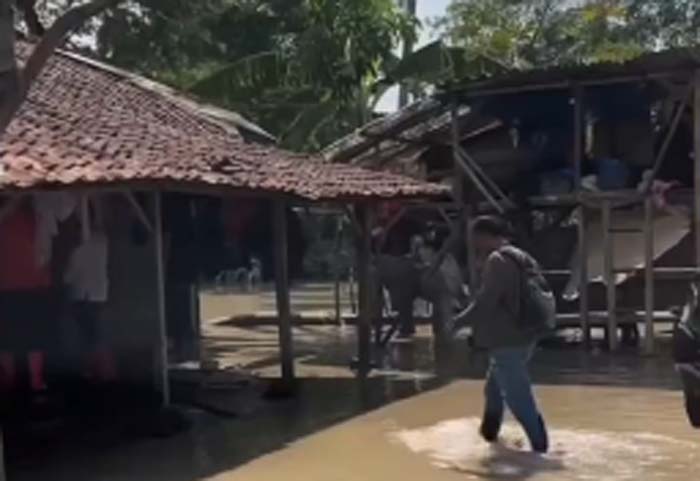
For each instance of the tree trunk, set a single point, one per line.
(15, 84)
(8, 64)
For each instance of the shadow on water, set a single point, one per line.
(213, 444)
(504, 463)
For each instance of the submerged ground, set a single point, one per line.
(612, 418)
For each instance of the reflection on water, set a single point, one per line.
(613, 417)
(576, 454)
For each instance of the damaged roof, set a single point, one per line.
(85, 123)
(668, 63)
(396, 141)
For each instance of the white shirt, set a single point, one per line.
(86, 274)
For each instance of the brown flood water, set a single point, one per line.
(597, 433)
(611, 418)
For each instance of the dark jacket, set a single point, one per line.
(492, 314)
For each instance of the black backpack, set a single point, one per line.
(538, 308)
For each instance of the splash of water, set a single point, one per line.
(576, 454)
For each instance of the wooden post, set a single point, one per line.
(458, 173)
(282, 289)
(696, 152)
(649, 275)
(162, 362)
(579, 135)
(336, 298)
(364, 278)
(464, 236)
(471, 251)
(583, 277)
(336, 272)
(579, 147)
(609, 273)
(3, 473)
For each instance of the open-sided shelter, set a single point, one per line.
(92, 131)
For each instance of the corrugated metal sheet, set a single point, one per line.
(85, 124)
(396, 141)
(650, 64)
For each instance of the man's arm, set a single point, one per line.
(495, 279)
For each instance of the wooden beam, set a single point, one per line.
(609, 274)
(583, 276)
(649, 275)
(696, 152)
(661, 155)
(365, 285)
(138, 211)
(466, 169)
(483, 89)
(579, 135)
(458, 187)
(338, 244)
(479, 171)
(579, 146)
(471, 250)
(3, 472)
(279, 220)
(162, 360)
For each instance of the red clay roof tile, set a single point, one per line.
(84, 123)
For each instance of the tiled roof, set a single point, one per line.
(89, 124)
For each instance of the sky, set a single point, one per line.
(426, 9)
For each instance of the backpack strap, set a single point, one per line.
(507, 252)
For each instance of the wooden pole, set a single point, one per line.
(162, 379)
(364, 277)
(3, 472)
(471, 251)
(579, 136)
(282, 289)
(579, 147)
(336, 271)
(649, 275)
(609, 273)
(464, 235)
(458, 173)
(583, 276)
(696, 151)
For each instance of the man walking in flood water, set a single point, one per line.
(498, 316)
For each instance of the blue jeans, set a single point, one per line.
(508, 383)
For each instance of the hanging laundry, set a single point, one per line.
(19, 269)
(86, 274)
(50, 209)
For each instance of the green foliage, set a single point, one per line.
(524, 33)
(310, 71)
(303, 69)
(306, 70)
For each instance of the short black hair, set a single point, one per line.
(491, 225)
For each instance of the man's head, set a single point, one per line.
(490, 233)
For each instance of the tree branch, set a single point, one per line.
(52, 39)
(34, 24)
